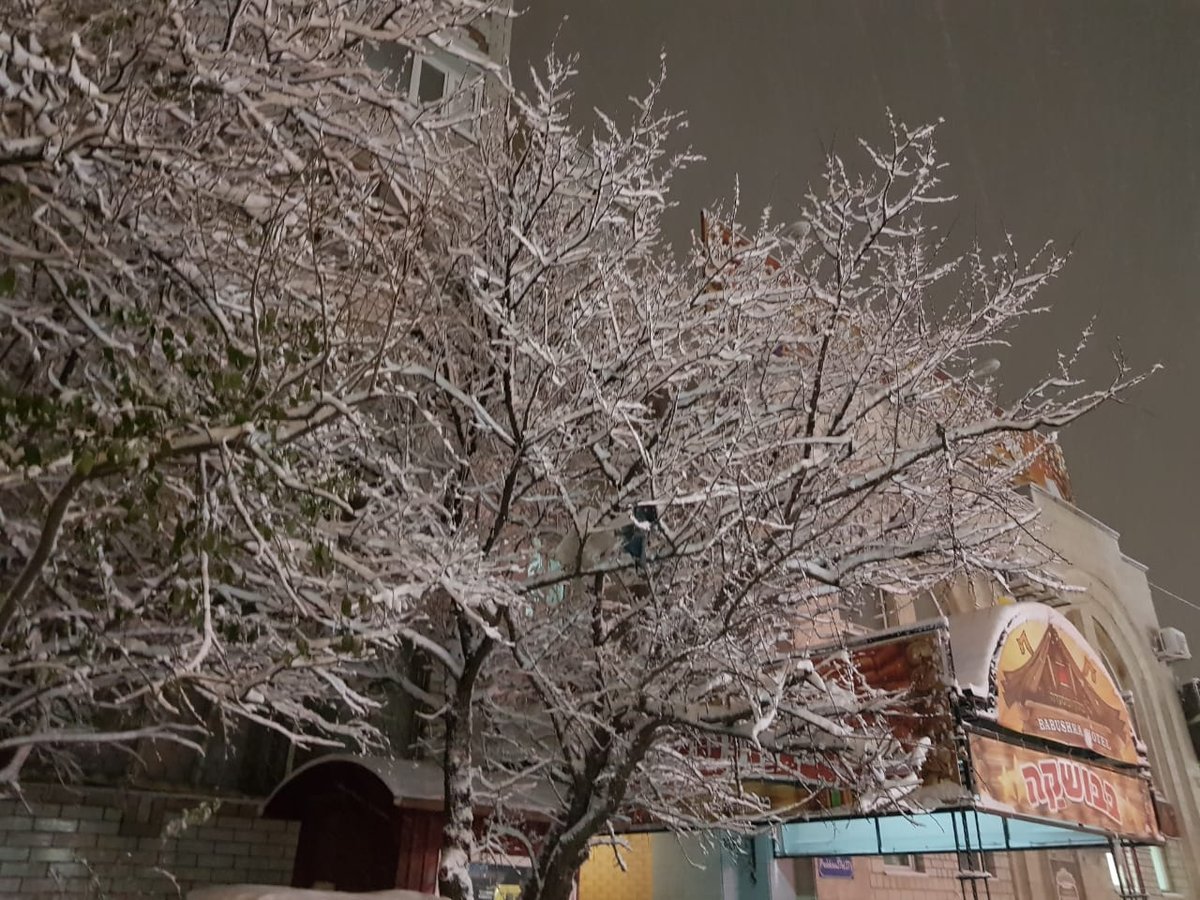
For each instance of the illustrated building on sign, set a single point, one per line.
(1059, 696)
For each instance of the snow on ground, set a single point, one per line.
(269, 892)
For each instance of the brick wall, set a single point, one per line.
(101, 844)
(938, 881)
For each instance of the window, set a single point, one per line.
(503, 879)
(393, 61)
(1162, 872)
(541, 564)
(1112, 870)
(912, 861)
(977, 861)
(452, 85)
(904, 609)
(1127, 878)
(430, 76)
(858, 610)
(431, 85)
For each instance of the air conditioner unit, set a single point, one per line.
(1170, 645)
(1189, 696)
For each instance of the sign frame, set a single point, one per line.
(1038, 783)
(835, 867)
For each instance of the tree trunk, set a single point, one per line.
(559, 864)
(566, 848)
(458, 835)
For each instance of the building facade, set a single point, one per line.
(1110, 605)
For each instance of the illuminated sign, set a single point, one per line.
(1031, 782)
(1050, 684)
(909, 667)
(1057, 782)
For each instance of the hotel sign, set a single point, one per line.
(1051, 685)
(1025, 781)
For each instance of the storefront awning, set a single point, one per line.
(1032, 744)
(935, 832)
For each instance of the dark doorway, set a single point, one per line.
(345, 844)
(349, 827)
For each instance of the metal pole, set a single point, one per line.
(987, 881)
(1140, 883)
(1129, 871)
(970, 857)
(962, 884)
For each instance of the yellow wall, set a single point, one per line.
(602, 879)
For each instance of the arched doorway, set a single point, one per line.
(359, 830)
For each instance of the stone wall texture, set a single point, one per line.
(100, 844)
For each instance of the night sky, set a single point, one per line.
(1074, 121)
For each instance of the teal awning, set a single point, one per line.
(934, 832)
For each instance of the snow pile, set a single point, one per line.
(975, 640)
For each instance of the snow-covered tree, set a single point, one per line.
(677, 474)
(301, 378)
(218, 222)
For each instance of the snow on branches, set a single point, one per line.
(304, 380)
(699, 464)
(690, 468)
(217, 222)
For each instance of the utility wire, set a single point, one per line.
(1173, 595)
